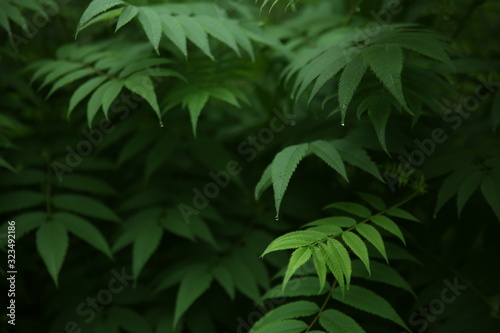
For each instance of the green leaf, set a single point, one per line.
(177, 272)
(150, 66)
(201, 230)
(165, 325)
(368, 102)
(174, 222)
(97, 7)
(242, 37)
(282, 168)
(320, 266)
(389, 225)
(264, 182)
(63, 69)
(25, 223)
(195, 33)
(218, 29)
(386, 61)
(379, 112)
(366, 300)
(67, 79)
(145, 244)
(373, 236)
(333, 264)
(142, 85)
(325, 64)
(84, 230)
(334, 321)
(174, 31)
(95, 101)
(327, 152)
(52, 244)
(14, 14)
(191, 288)
(284, 326)
(110, 95)
(84, 205)
(340, 258)
(451, 185)
(83, 91)
(298, 258)
(398, 212)
(88, 184)
(256, 266)
(24, 177)
(224, 94)
(357, 156)
(243, 277)
(381, 273)
(152, 26)
(222, 275)
(20, 176)
(328, 230)
(351, 208)
(326, 74)
(4, 22)
(396, 252)
(43, 67)
(196, 102)
(468, 187)
(373, 200)
(32, 5)
(356, 244)
(491, 191)
(291, 310)
(6, 165)
(126, 16)
(293, 240)
(111, 14)
(129, 320)
(338, 221)
(349, 80)
(424, 43)
(18, 200)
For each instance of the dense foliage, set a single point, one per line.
(239, 166)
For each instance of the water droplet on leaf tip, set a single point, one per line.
(342, 124)
(161, 124)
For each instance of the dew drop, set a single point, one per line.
(161, 124)
(342, 124)
(277, 218)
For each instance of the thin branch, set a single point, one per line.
(334, 284)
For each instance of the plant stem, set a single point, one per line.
(368, 219)
(334, 284)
